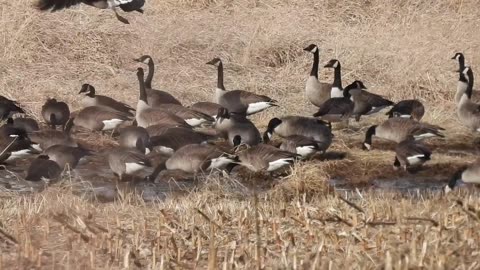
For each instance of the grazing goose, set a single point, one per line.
(194, 159)
(229, 125)
(238, 101)
(43, 139)
(43, 169)
(14, 144)
(125, 162)
(317, 92)
(399, 129)
(337, 109)
(410, 108)
(337, 89)
(91, 99)
(8, 108)
(411, 153)
(366, 103)
(308, 127)
(155, 97)
(300, 145)
(208, 108)
(25, 123)
(55, 113)
(147, 116)
(466, 174)
(135, 138)
(176, 137)
(125, 5)
(96, 118)
(469, 112)
(66, 155)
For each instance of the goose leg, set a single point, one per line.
(120, 18)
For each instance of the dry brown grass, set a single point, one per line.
(400, 49)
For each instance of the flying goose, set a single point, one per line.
(337, 89)
(155, 97)
(66, 155)
(125, 162)
(55, 113)
(300, 145)
(337, 109)
(229, 125)
(238, 101)
(206, 107)
(398, 129)
(45, 138)
(97, 118)
(317, 92)
(92, 99)
(311, 128)
(25, 123)
(125, 5)
(8, 108)
(147, 116)
(466, 174)
(194, 159)
(43, 169)
(409, 108)
(411, 153)
(135, 138)
(176, 137)
(469, 112)
(366, 103)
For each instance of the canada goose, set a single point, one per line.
(66, 155)
(410, 108)
(148, 116)
(469, 174)
(14, 144)
(468, 112)
(97, 118)
(337, 109)
(55, 113)
(194, 159)
(462, 83)
(25, 123)
(300, 145)
(8, 108)
(366, 103)
(43, 169)
(159, 129)
(135, 138)
(398, 129)
(411, 153)
(229, 125)
(337, 89)
(155, 97)
(92, 99)
(317, 92)
(192, 117)
(314, 129)
(176, 137)
(126, 162)
(43, 139)
(208, 108)
(238, 101)
(125, 5)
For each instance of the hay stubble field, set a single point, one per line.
(400, 49)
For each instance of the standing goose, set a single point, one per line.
(208, 108)
(317, 92)
(135, 138)
(238, 101)
(410, 108)
(66, 155)
(125, 5)
(155, 97)
(411, 153)
(300, 145)
(92, 99)
(469, 112)
(399, 129)
(175, 138)
(8, 108)
(230, 125)
(337, 89)
(43, 139)
(366, 103)
(55, 113)
(43, 169)
(466, 174)
(194, 159)
(308, 127)
(97, 118)
(337, 109)
(124, 162)
(147, 116)
(25, 123)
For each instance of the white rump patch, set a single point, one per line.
(424, 136)
(133, 167)
(447, 189)
(195, 121)
(336, 92)
(165, 150)
(37, 147)
(258, 107)
(414, 160)
(405, 116)
(306, 151)
(13, 135)
(219, 163)
(111, 124)
(368, 146)
(279, 163)
(19, 154)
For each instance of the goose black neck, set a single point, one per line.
(220, 77)
(162, 166)
(337, 79)
(370, 133)
(453, 181)
(53, 121)
(471, 81)
(461, 67)
(316, 61)
(91, 91)
(151, 70)
(143, 91)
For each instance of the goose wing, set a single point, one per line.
(114, 104)
(339, 106)
(55, 5)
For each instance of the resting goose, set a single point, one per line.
(125, 5)
(55, 113)
(97, 118)
(176, 137)
(411, 153)
(410, 108)
(337, 109)
(43, 169)
(92, 99)
(8, 108)
(25, 123)
(366, 103)
(238, 101)
(43, 139)
(229, 125)
(300, 145)
(66, 155)
(192, 117)
(317, 92)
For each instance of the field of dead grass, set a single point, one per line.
(400, 49)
